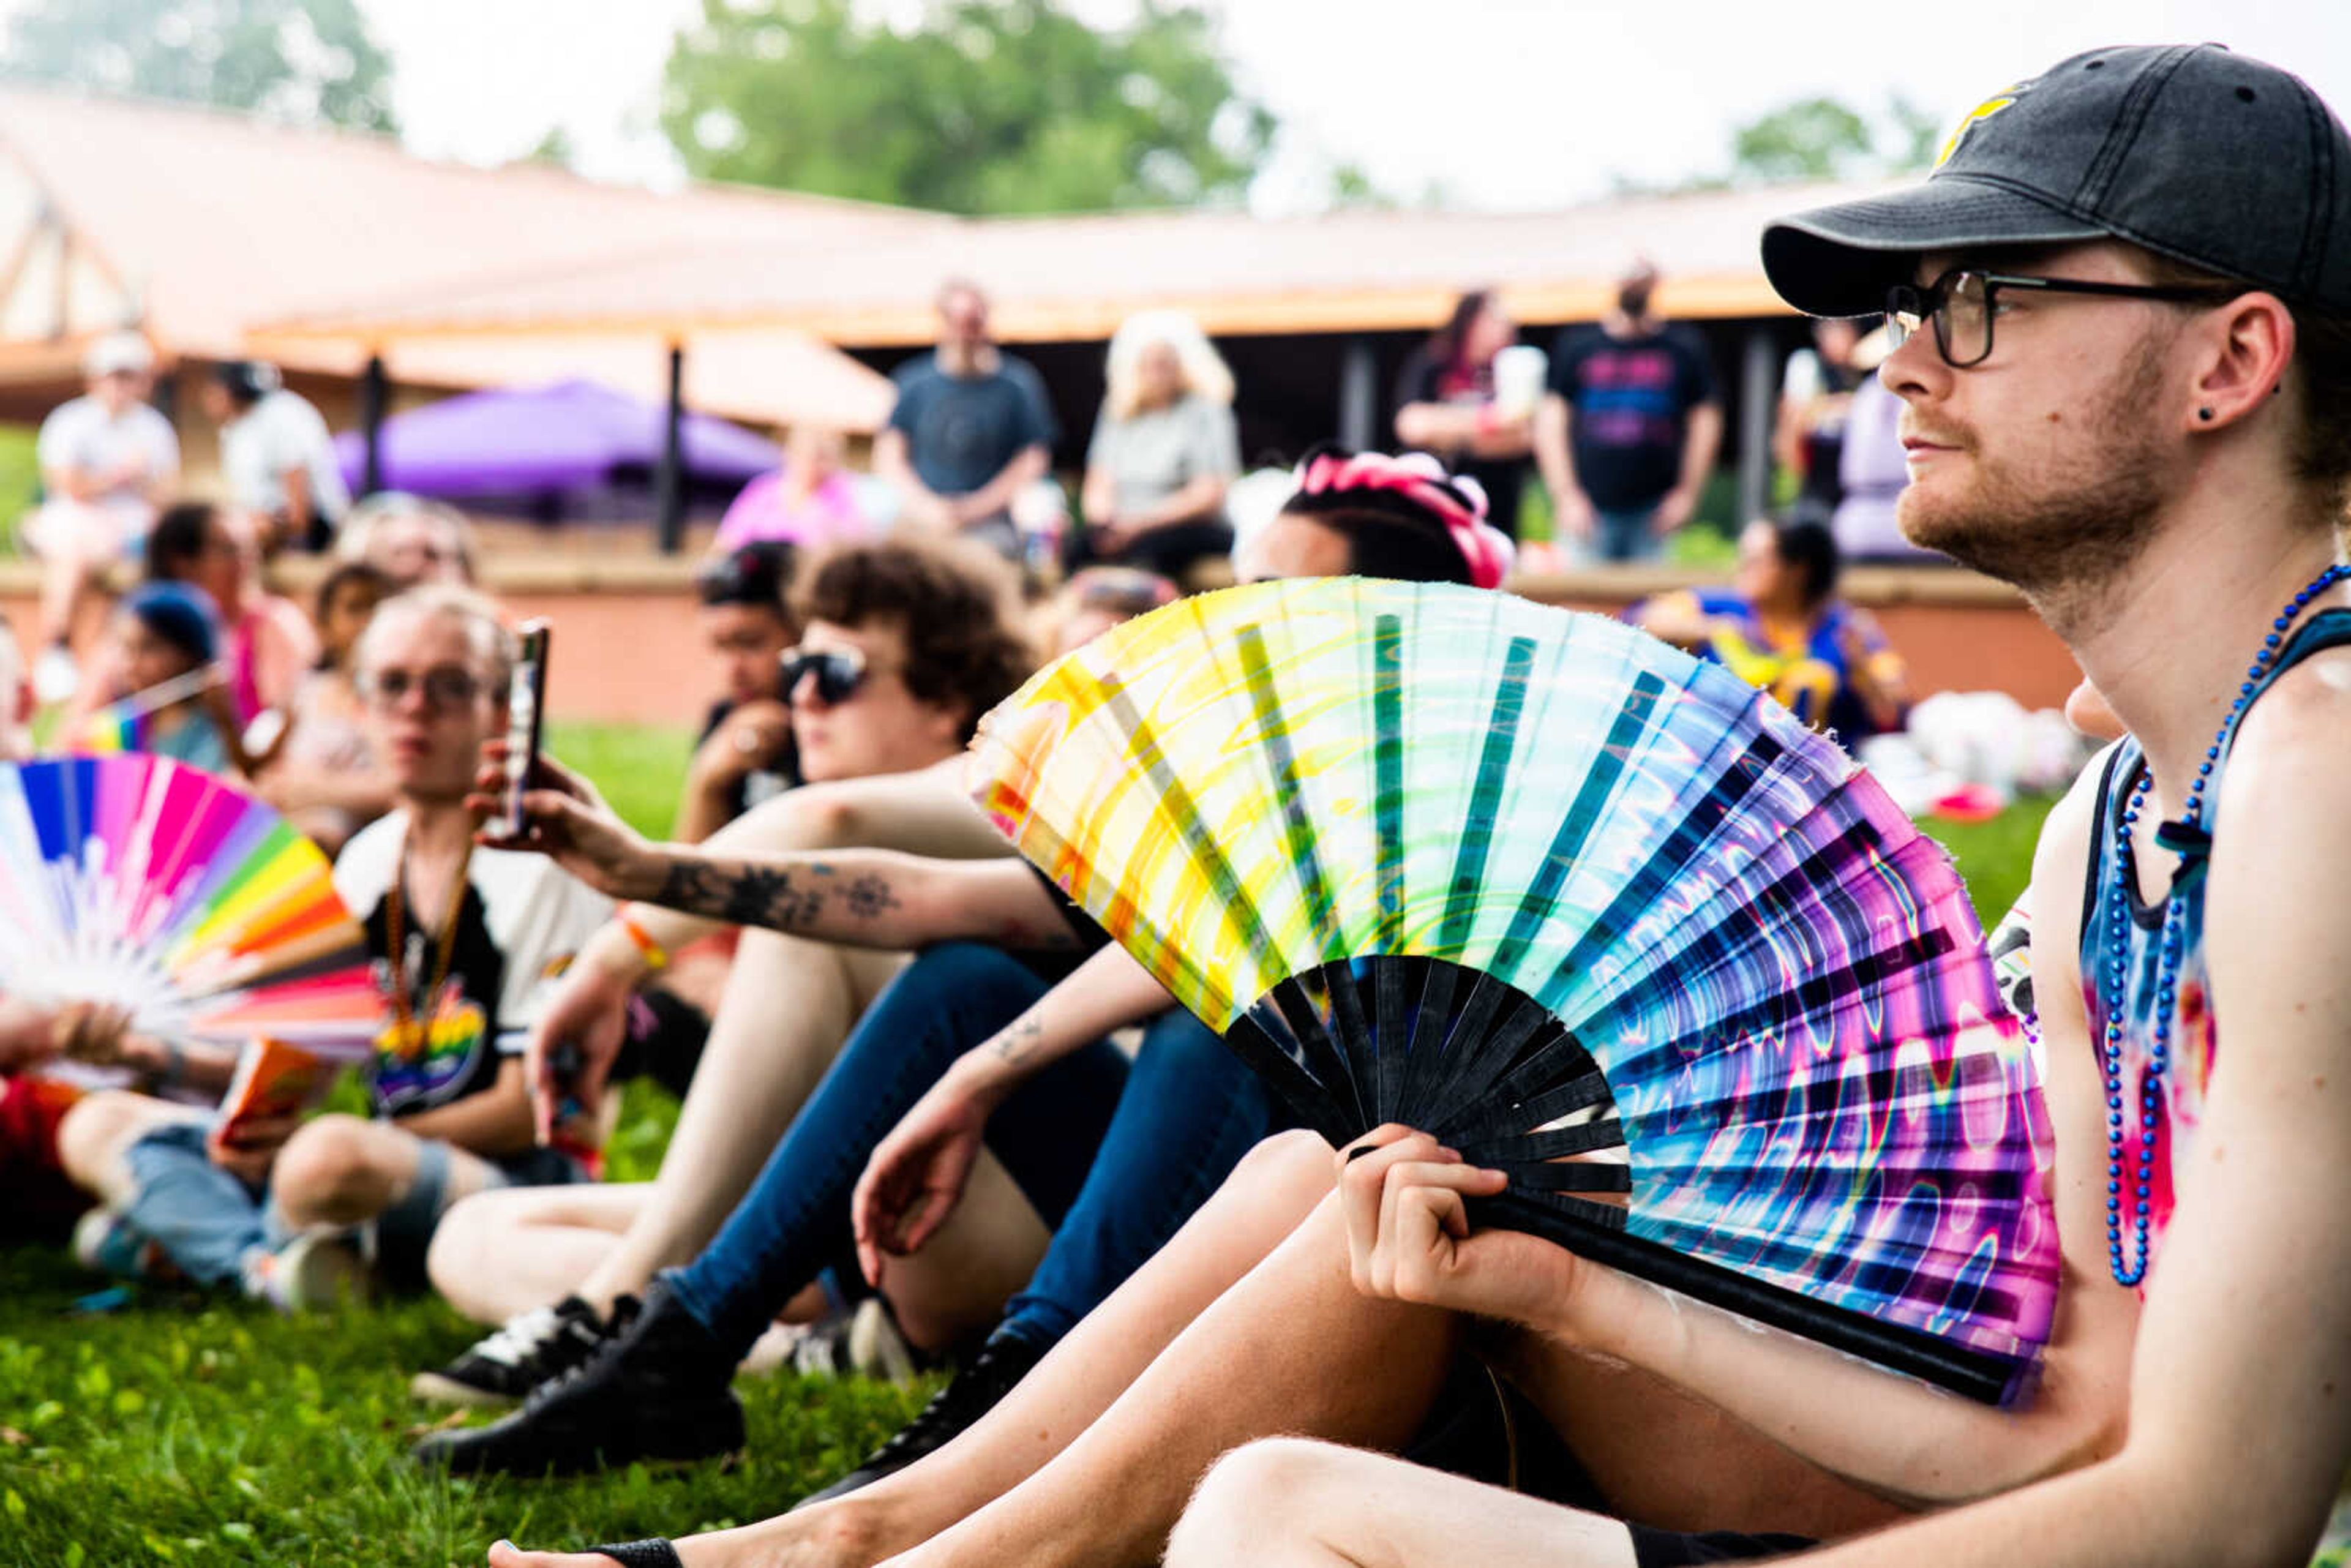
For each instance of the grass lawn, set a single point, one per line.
(188, 1432)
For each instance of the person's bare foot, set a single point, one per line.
(839, 1534)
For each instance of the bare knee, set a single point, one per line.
(1267, 1500)
(331, 1172)
(1295, 1165)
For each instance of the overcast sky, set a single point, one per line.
(1501, 103)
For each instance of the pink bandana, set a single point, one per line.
(1423, 481)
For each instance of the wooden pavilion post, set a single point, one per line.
(670, 484)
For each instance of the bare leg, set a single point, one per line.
(955, 1286)
(99, 1130)
(1267, 1194)
(501, 1254)
(1284, 1502)
(344, 1170)
(788, 1006)
(1287, 1349)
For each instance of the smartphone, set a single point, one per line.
(526, 708)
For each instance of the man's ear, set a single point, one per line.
(2249, 345)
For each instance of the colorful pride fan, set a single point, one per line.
(122, 725)
(152, 885)
(1590, 910)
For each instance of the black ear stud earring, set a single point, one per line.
(2205, 414)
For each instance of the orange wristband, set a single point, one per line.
(656, 959)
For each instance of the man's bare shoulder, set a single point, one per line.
(2289, 768)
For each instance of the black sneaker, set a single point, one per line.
(536, 1347)
(1001, 1362)
(657, 1390)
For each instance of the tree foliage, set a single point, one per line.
(1815, 139)
(990, 106)
(302, 60)
(1811, 139)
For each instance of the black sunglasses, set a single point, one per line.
(1963, 302)
(839, 672)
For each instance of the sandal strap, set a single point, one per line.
(653, 1553)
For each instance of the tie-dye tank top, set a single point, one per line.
(2193, 1040)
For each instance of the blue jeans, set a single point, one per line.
(1626, 535)
(1168, 1134)
(1191, 1110)
(207, 1220)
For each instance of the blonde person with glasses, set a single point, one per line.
(464, 936)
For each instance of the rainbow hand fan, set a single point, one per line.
(152, 885)
(1590, 910)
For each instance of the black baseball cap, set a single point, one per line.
(2208, 157)
(757, 574)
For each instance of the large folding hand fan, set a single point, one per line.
(146, 884)
(1590, 910)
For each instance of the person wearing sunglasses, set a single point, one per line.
(904, 645)
(463, 936)
(1150, 1140)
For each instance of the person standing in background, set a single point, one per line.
(277, 456)
(108, 461)
(970, 430)
(1447, 404)
(1627, 433)
(1164, 450)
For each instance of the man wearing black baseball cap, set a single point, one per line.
(2123, 301)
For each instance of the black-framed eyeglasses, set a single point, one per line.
(839, 672)
(1962, 303)
(446, 686)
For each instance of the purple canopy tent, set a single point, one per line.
(573, 450)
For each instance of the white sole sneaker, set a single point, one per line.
(314, 1271)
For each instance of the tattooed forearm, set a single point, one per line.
(1017, 1041)
(744, 894)
(807, 897)
(868, 897)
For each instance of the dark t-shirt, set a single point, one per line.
(1631, 401)
(1426, 379)
(518, 924)
(1053, 968)
(961, 431)
(760, 783)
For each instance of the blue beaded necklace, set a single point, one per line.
(2188, 839)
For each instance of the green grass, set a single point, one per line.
(207, 1433)
(183, 1431)
(637, 767)
(1996, 857)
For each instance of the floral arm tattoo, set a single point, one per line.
(819, 899)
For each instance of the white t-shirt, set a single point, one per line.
(281, 432)
(520, 922)
(82, 435)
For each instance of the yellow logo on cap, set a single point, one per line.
(1975, 116)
